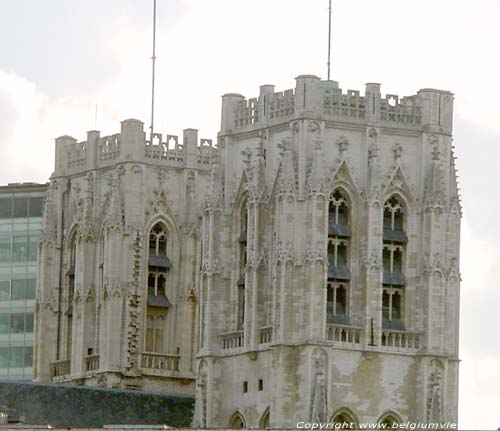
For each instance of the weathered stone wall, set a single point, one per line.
(282, 157)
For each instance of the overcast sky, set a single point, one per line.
(60, 59)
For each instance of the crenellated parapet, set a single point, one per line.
(429, 109)
(132, 145)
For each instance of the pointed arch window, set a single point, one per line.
(389, 421)
(237, 422)
(339, 275)
(393, 256)
(344, 421)
(242, 252)
(158, 267)
(70, 293)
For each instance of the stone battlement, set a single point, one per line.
(131, 145)
(428, 109)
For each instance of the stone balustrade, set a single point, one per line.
(92, 362)
(60, 368)
(332, 104)
(160, 361)
(343, 334)
(232, 340)
(265, 335)
(401, 340)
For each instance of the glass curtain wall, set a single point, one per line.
(20, 229)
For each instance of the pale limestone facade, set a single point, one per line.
(304, 269)
(330, 280)
(119, 260)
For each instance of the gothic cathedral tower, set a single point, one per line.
(329, 285)
(119, 259)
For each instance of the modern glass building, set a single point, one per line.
(21, 209)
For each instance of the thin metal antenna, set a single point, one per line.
(329, 34)
(153, 58)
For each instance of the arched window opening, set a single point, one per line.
(154, 332)
(158, 240)
(338, 216)
(265, 422)
(389, 421)
(70, 294)
(344, 421)
(242, 252)
(158, 304)
(339, 275)
(158, 267)
(394, 280)
(336, 305)
(394, 221)
(237, 422)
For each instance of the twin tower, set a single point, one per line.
(304, 268)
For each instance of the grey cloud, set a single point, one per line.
(62, 45)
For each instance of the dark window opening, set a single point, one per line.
(36, 207)
(20, 207)
(245, 387)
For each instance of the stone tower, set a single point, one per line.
(119, 259)
(329, 284)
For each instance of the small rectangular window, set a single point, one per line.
(5, 208)
(4, 324)
(261, 385)
(20, 207)
(4, 290)
(17, 323)
(16, 356)
(19, 249)
(33, 248)
(28, 356)
(5, 250)
(29, 323)
(4, 357)
(36, 206)
(245, 387)
(18, 290)
(31, 288)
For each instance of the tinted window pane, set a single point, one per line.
(28, 356)
(33, 248)
(4, 324)
(4, 290)
(17, 323)
(19, 249)
(4, 357)
(18, 289)
(29, 323)
(31, 289)
(16, 356)
(36, 207)
(4, 249)
(21, 207)
(6, 208)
